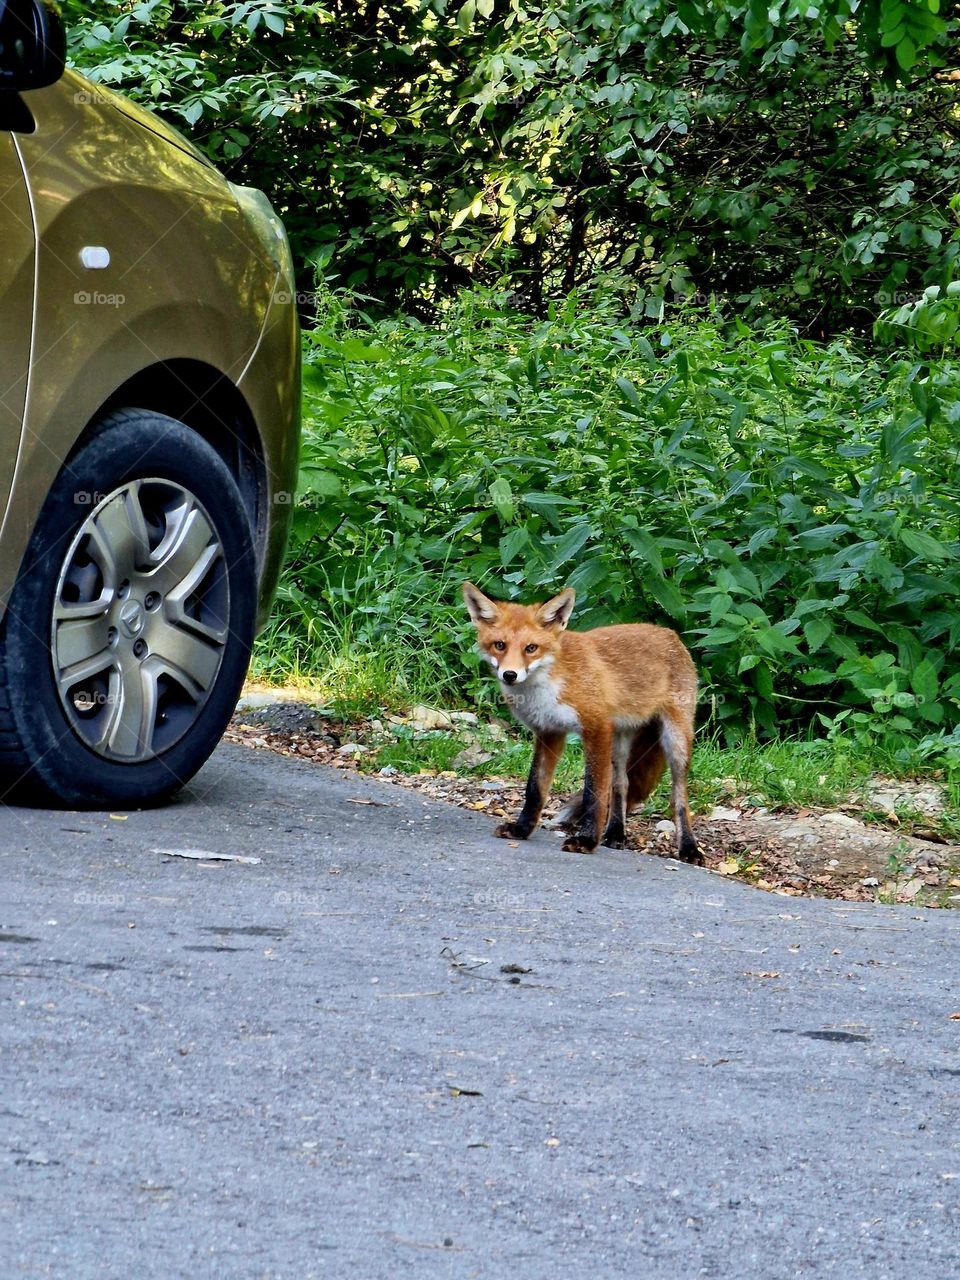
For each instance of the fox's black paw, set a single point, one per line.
(512, 831)
(614, 837)
(689, 851)
(580, 844)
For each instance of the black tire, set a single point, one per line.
(45, 755)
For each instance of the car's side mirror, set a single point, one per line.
(33, 44)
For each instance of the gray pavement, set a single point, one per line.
(314, 1065)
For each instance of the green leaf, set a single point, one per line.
(501, 495)
(569, 544)
(816, 631)
(816, 675)
(546, 501)
(824, 536)
(775, 640)
(860, 618)
(589, 574)
(667, 596)
(350, 349)
(720, 606)
(924, 544)
(715, 636)
(628, 391)
(762, 538)
(763, 680)
(466, 15)
(646, 547)
(648, 353)
(324, 484)
(924, 681)
(512, 544)
(906, 54)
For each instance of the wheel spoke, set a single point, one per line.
(67, 611)
(107, 722)
(130, 732)
(86, 669)
(176, 601)
(119, 531)
(138, 525)
(184, 546)
(80, 638)
(104, 553)
(188, 658)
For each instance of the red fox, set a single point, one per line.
(630, 691)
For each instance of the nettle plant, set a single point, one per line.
(791, 508)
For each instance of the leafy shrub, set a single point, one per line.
(928, 324)
(792, 508)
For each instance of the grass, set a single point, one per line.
(411, 753)
(773, 775)
(358, 674)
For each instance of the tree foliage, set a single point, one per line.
(786, 157)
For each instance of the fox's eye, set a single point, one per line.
(531, 648)
(499, 645)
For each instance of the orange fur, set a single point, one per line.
(629, 690)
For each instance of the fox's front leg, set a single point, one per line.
(546, 754)
(597, 781)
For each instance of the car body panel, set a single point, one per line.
(17, 264)
(265, 385)
(188, 277)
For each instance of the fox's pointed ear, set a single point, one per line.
(479, 606)
(556, 612)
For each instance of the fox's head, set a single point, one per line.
(518, 639)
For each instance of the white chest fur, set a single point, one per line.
(537, 703)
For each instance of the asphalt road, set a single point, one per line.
(314, 1065)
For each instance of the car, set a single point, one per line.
(149, 427)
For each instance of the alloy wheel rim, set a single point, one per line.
(140, 620)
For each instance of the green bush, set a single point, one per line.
(791, 508)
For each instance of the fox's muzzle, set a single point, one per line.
(508, 677)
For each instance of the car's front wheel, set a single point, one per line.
(127, 636)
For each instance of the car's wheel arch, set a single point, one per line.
(205, 400)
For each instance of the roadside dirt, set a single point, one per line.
(822, 853)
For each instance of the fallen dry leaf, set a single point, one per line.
(208, 855)
(762, 973)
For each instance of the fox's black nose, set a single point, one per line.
(509, 677)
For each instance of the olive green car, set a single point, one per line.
(149, 419)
